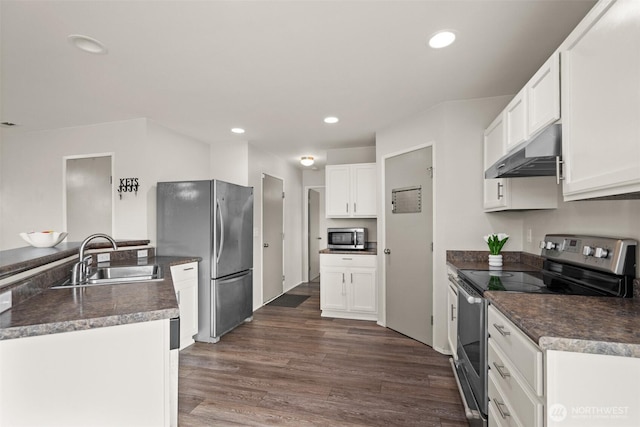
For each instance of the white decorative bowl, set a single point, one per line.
(43, 239)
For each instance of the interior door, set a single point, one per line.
(408, 237)
(314, 235)
(89, 197)
(272, 237)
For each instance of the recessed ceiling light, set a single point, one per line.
(87, 44)
(442, 39)
(331, 120)
(237, 130)
(306, 160)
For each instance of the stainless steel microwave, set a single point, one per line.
(347, 238)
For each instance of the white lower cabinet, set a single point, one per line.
(185, 283)
(111, 376)
(516, 392)
(348, 286)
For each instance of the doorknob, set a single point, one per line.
(265, 245)
(387, 251)
(319, 238)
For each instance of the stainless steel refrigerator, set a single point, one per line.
(212, 220)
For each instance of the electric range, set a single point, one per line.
(573, 265)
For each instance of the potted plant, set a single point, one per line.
(495, 243)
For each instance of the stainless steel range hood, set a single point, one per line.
(537, 157)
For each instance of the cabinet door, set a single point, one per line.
(543, 95)
(601, 103)
(362, 290)
(516, 120)
(363, 186)
(494, 148)
(333, 289)
(452, 320)
(188, 302)
(338, 191)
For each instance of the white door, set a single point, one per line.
(89, 197)
(272, 237)
(408, 237)
(314, 235)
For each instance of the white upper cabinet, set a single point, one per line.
(515, 117)
(543, 96)
(351, 191)
(601, 103)
(513, 193)
(536, 106)
(494, 137)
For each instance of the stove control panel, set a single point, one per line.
(602, 253)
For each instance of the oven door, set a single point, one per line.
(472, 345)
(341, 239)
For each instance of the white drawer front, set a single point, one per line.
(338, 260)
(184, 272)
(521, 400)
(499, 409)
(523, 353)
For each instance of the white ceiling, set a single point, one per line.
(275, 68)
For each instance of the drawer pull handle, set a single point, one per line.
(501, 370)
(347, 259)
(503, 412)
(187, 269)
(500, 329)
(453, 310)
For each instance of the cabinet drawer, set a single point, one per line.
(500, 414)
(525, 356)
(520, 398)
(339, 260)
(184, 272)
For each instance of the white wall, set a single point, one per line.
(456, 130)
(173, 157)
(613, 218)
(230, 162)
(262, 162)
(342, 156)
(32, 173)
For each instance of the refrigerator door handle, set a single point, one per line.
(219, 210)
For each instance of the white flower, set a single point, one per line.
(502, 236)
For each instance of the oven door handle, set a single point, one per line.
(470, 298)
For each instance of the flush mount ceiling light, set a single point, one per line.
(442, 39)
(87, 44)
(331, 120)
(306, 160)
(237, 130)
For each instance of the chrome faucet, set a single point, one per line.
(79, 272)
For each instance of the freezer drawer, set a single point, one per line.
(232, 300)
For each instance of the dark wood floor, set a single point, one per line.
(290, 367)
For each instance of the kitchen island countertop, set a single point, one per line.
(64, 310)
(584, 324)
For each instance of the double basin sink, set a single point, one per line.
(110, 275)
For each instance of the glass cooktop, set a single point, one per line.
(523, 281)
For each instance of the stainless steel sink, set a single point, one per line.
(119, 274)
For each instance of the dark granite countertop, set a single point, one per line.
(598, 325)
(345, 252)
(17, 260)
(63, 310)
(479, 260)
(584, 324)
